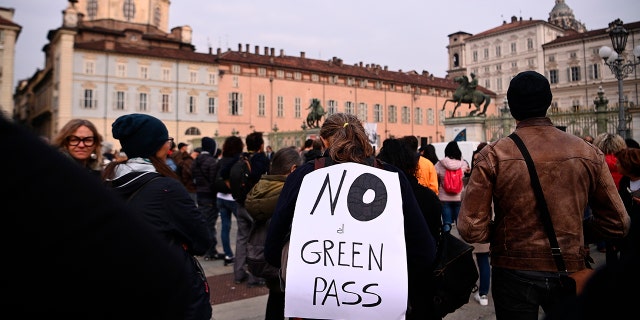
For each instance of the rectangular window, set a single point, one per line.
(513, 47)
(262, 72)
(529, 44)
(498, 67)
(193, 103)
(297, 75)
(531, 62)
(261, 105)
(235, 69)
(417, 116)
(594, 71)
(165, 103)
(120, 100)
(487, 83)
(211, 106)
(332, 107)
(280, 106)
(142, 103)
(475, 56)
(193, 77)
(235, 103)
(315, 77)
(88, 102)
(393, 114)
(297, 107)
(280, 74)
(212, 78)
(377, 113)
(235, 81)
(348, 107)
(498, 51)
(430, 116)
(144, 72)
(499, 84)
(89, 67)
(166, 74)
(574, 74)
(552, 58)
(406, 115)
(553, 76)
(486, 53)
(121, 70)
(362, 112)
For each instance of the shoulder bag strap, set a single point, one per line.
(142, 187)
(542, 204)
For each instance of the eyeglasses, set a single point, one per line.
(74, 141)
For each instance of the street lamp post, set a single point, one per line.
(620, 69)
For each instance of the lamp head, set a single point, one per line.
(618, 35)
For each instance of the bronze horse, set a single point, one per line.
(315, 115)
(461, 95)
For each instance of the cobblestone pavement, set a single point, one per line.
(239, 302)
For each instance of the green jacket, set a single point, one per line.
(262, 198)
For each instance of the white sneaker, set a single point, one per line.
(481, 299)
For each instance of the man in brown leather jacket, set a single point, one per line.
(572, 173)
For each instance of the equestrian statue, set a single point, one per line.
(467, 93)
(316, 113)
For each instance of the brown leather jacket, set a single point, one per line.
(571, 172)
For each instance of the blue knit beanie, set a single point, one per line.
(140, 135)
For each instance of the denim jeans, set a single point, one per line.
(450, 210)
(226, 209)
(209, 210)
(484, 269)
(518, 295)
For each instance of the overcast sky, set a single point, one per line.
(401, 34)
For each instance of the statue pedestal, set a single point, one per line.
(473, 127)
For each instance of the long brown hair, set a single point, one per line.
(348, 142)
(61, 141)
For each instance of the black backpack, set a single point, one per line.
(454, 274)
(239, 178)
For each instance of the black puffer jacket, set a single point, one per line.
(203, 171)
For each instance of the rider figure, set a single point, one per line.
(471, 86)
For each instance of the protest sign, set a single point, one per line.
(347, 256)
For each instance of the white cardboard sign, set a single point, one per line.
(347, 256)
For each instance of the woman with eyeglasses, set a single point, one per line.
(154, 191)
(80, 140)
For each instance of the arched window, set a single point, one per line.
(192, 131)
(456, 60)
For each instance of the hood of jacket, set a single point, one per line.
(451, 164)
(131, 175)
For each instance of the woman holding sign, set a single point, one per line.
(346, 143)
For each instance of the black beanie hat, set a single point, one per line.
(140, 135)
(209, 145)
(529, 95)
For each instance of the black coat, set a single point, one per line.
(73, 249)
(165, 204)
